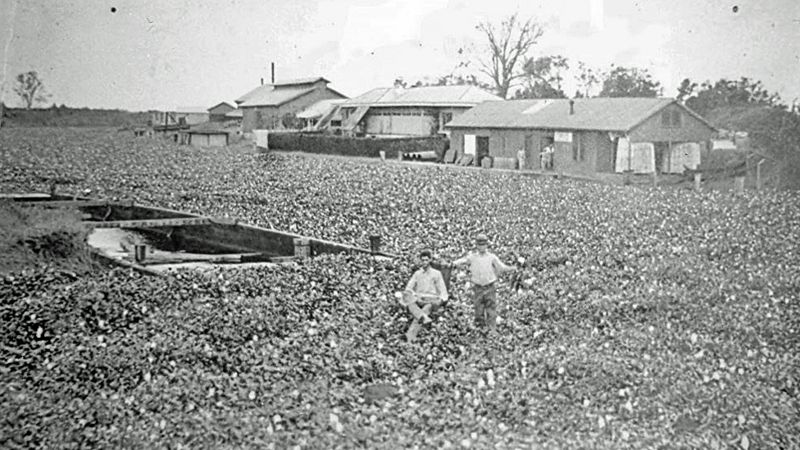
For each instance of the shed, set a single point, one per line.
(191, 115)
(584, 136)
(217, 112)
(210, 134)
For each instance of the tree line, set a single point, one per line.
(504, 60)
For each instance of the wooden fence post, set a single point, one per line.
(739, 183)
(302, 248)
(655, 179)
(375, 244)
(697, 178)
(758, 174)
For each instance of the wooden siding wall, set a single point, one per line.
(691, 129)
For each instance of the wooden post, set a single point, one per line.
(139, 252)
(758, 174)
(739, 183)
(655, 179)
(302, 248)
(375, 244)
(697, 178)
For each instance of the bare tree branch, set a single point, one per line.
(507, 46)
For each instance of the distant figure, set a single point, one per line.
(485, 267)
(426, 287)
(547, 158)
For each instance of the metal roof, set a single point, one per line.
(465, 96)
(299, 83)
(268, 95)
(319, 109)
(604, 114)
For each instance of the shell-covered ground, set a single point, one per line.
(656, 318)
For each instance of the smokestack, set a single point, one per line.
(571, 107)
(272, 67)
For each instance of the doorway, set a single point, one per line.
(481, 149)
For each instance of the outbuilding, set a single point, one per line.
(583, 136)
(209, 134)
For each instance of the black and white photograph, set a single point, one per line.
(400, 224)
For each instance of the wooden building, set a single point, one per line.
(265, 106)
(420, 111)
(583, 136)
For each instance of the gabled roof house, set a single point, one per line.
(420, 111)
(583, 136)
(265, 106)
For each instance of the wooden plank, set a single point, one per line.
(150, 223)
(62, 203)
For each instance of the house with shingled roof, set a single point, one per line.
(582, 136)
(418, 111)
(265, 106)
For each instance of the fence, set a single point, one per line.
(355, 146)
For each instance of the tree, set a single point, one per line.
(629, 82)
(685, 90)
(543, 77)
(444, 80)
(30, 89)
(507, 45)
(587, 78)
(743, 92)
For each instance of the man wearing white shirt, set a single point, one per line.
(485, 267)
(427, 288)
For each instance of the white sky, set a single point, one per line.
(162, 54)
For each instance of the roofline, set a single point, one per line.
(604, 130)
(344, 97)
(220, 104)
(394, 105)
(299, 81)
(306, 92)
(682, 106)
(295, 97)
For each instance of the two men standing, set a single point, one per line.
(427, 286)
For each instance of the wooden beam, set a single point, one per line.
(150, 223)
(62, 203)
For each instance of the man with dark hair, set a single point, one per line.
(485, 267)
(426, 287)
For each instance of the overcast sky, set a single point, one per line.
(143, 54)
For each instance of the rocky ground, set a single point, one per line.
(657, 318)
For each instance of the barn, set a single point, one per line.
(582, 136)
(265, 106)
